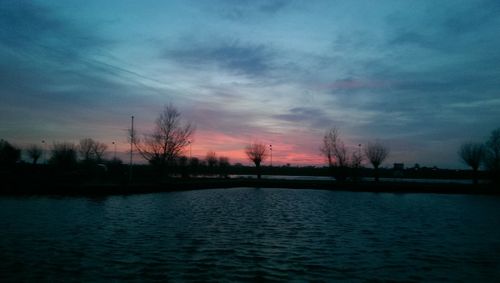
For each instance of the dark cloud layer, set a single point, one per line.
(244, 9)
(234, 57)
(35, 30)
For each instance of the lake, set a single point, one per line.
(248, 234)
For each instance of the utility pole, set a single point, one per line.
(131, 148)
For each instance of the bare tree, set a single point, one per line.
(85, 149)
(335, 151)
(99, 150)
(473, 155)
(256, 152)
(34, 152)
(493, 154)
(376, 153)
(167, 141)
(91, 150)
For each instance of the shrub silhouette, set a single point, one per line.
(63, 156)
(223, 166)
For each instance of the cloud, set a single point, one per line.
(31, 29)
(490, 103)
(273, 6)
(351, 84)
(22, 23)
(306, 116)
(418, 39)
(472, 16)
(241, 59)
(447, 28)
(244, 9)
(422, 73)
(57, 79)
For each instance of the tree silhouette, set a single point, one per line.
(492, 159)
(9, 154)
(211, 159)
(376, 153)
(194, 166)
(91, 150)
(256, 152)
(335, 151)
(34, 152)
(473, 155)
(168, 139)
(183, 165)
(63, 155)
(223, 166)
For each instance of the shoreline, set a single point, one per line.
(173, 185)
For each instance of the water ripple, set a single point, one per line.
(248, 234)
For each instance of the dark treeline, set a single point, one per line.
(115, 172)
(165, 150)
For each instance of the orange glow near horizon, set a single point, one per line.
(234, 148)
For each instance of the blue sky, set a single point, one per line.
(419, 76)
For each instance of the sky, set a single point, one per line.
(421, 77)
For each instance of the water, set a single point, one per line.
(247, 234)
(324, 178)
(285, 177)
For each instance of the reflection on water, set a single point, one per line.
(251, 234)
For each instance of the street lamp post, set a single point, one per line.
(43, 151)
(114, 155)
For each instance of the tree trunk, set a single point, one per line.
(257, 166)
(474, 177)
(376, 173)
